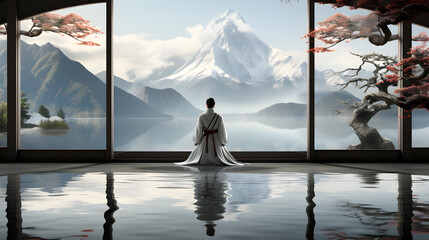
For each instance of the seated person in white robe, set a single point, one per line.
(210, 140)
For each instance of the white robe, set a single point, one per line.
(204, 154)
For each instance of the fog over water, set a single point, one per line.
(244, 134)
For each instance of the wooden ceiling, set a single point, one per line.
(28, 8)
(422, 19)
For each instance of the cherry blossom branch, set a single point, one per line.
(374, 26)
(71, 25)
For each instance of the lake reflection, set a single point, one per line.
(84, 133)
(244, 134)
(223, 202)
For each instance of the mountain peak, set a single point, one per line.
(230, 18)
(48, 47)
(230, 12)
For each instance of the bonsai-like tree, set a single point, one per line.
(71, 25)
(387, 70)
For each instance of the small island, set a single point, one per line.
(43, 120)
(53, 124)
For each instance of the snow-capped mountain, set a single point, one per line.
(235, 54)
(236, 65)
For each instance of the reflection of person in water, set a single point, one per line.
(210, 140)
(211, 197)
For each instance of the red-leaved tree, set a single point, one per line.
(71, 25)
(387, 70)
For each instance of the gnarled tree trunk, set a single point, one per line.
(369, 137)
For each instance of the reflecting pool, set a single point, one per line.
(218, 202)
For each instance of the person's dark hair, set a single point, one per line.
(210, 230)
(210, 103)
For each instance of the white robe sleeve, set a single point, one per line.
(222, 132)
(198, 132)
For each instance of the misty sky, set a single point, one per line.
(167, 19)
(149, 31)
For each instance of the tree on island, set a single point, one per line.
(3, 116)
(24, 112)
(25, 106)
(387, 70)
(60, 113)
(44, 111)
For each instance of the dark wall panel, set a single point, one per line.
(28, 8)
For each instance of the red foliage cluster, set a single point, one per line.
(71, 25)
(320, 50)
(416, 72)
(419, 60)
(422, 37)
(412, 67)
(338, 28)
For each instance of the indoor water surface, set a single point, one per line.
(227, 203)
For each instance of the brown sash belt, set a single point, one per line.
(211, 132)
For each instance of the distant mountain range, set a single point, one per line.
(240, 70)
(50, 78)
(325, 106)
(289, 109)
(331, 104)
(167, 101)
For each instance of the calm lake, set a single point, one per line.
(244, 134)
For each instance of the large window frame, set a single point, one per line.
(21, 9)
